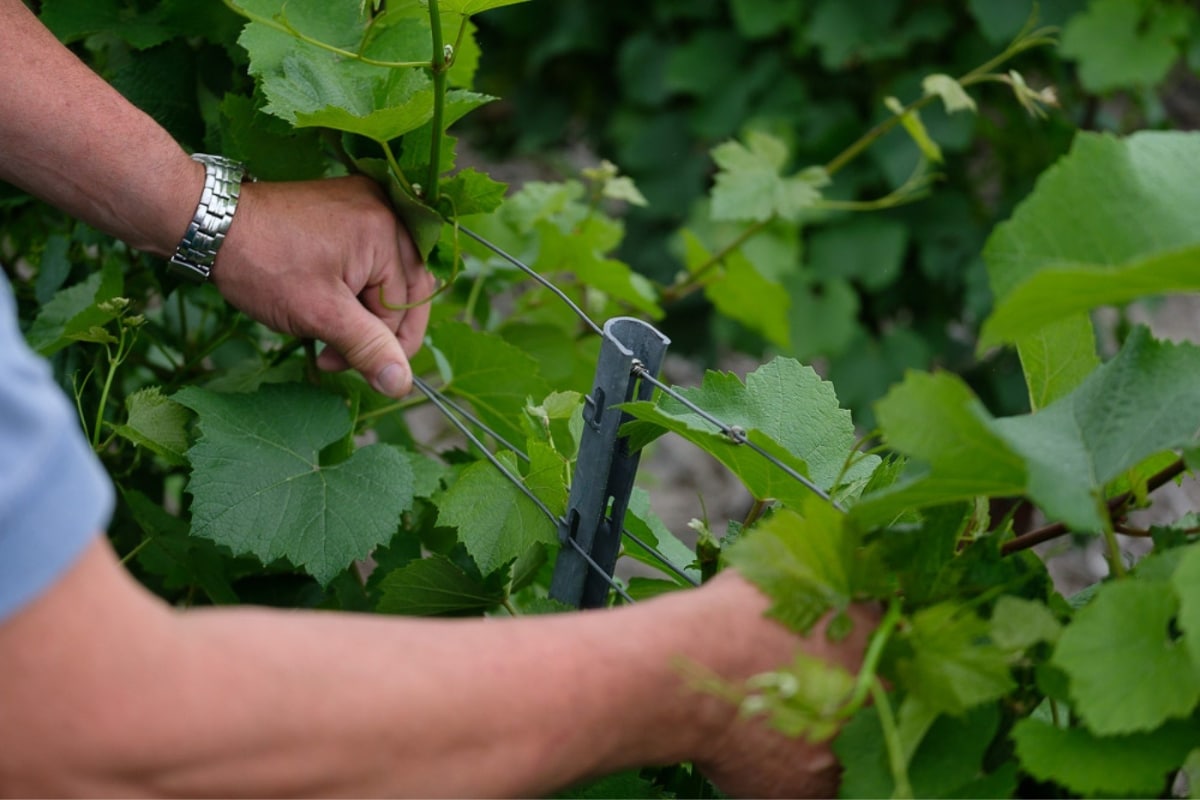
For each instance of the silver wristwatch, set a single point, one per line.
(197, 250)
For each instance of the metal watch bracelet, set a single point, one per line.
(194, 257)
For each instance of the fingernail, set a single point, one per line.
(392, 380)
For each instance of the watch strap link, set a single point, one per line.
(194, 257)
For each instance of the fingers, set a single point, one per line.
(396, 297)
(359, 339)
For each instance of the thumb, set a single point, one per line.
(362, 340)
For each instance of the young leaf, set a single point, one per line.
(783, 406)
(259, 487)
(435, 586)
(953, 666)
(750, 186)
(802, 560)
(1126, 674)
(157, 423)
(953, 96)
(75, 310)
(1136, 765)
(496, 522)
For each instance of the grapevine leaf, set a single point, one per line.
(1135, 765)
(783, 406)
(258, 485)
(869, 250)
(496, 522)
(473, 192)
(1142, 402)
(1135, 406)
(1018, 623)
(547, 475)
(423, 223)
(494, 376)
(468, 7)
(954, 96)
(936, 420)
(743, 293)
(582, 251)
(435, 586)
(802, 560)
(180, 560)
(953, 666)
(1108, 223)
(309, 86)
(750, 186)
(1057, 358)
(72, 20)
(1187, 585)
(1126, 674)
(157, 423)
(74, 311)
(400, 103)
(948, 758)
(1123, 44)
(642, 522)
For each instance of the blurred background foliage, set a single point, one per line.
(655, 86)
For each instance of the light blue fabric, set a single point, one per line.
(54, 494)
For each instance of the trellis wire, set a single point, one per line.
(734, 433)
(439, 400)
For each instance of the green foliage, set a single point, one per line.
(797, 220)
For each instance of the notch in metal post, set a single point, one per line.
(605, 469)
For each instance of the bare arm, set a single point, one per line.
(107, 691)
(309, 258)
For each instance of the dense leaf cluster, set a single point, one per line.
(246, 476)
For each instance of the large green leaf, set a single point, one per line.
(1143, 402)
(496, 521)
(1187, 585)
(1136, 765)
(1109, 223)
(308, 85)
(1126, 672)
(259, 486)
(783, 406)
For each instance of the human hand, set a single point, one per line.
(329, 260)
(745, 757)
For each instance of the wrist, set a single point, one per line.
(197, 250)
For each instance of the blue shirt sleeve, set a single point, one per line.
(54, 493)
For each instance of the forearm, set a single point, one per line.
(143, 700)
(69, 138)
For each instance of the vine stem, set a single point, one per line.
(902, 789)
(438, 64)
(1057, 529)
